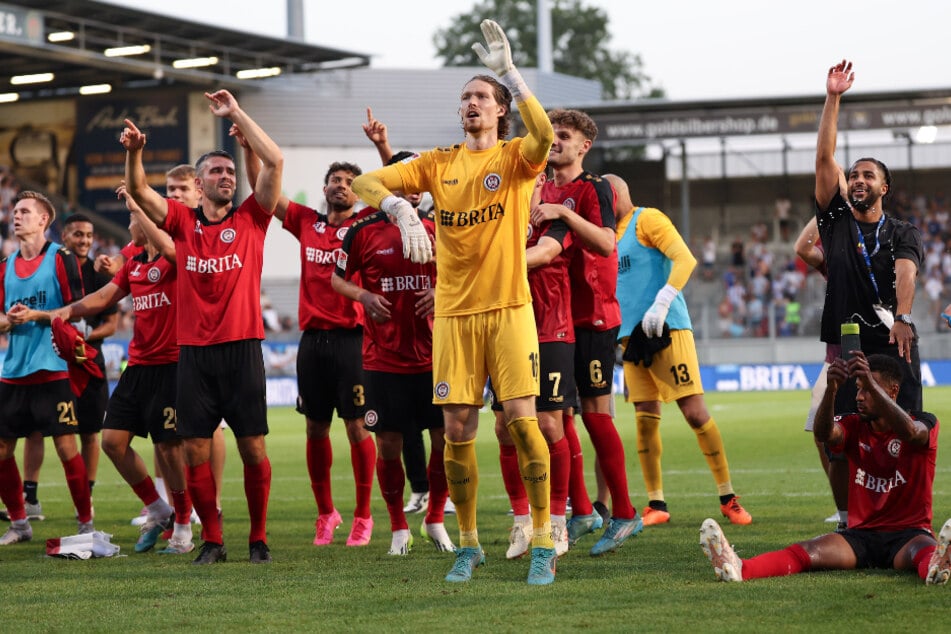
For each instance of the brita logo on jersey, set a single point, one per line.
(471, 218)
(405, 283)
(876, 484)
(150, 301)
(213, 265)
(322, 256)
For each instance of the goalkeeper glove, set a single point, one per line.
(416, 244)
(653, 322)
(499, 56)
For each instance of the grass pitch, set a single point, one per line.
(659, 581)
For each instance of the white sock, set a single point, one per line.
(160, 487)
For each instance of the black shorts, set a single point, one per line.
(48, 408)
(555, 379)
(143, 402)
(91, 406)
(400, 403)
(223, 380)
(594, 361)
(877, 549)
(330, 374)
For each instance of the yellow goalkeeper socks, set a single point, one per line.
(711, 444)
(649, 450)
(462, 475)
(534, 463)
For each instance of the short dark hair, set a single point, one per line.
(887, 367)
(207, 155)
(886, 174)
(76, 218)
(576, 120)
(503, 96)
(342, 166)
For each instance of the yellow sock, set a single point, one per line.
(534, 462)
(711, 444)
(462, 474)
(649, 450)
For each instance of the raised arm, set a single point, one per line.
(252, 168)
(885, 405)
(498, 58)
(806, 245)
(267, 186)
(824, 429)
(828, 173)
(151, 202)
(159, 239)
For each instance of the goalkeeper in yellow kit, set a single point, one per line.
(484, 325)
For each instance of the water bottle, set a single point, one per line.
(850, 340)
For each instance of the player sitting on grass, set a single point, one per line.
(891, 456)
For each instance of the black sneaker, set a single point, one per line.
(4, 516)
(260, 553)
(211, 553)
(603, 511)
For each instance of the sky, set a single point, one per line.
(694, 50)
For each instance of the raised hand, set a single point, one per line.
(499, 56)
(840, 78)
(223, 103)
(235, 131)
(374, 129)
(131, 138)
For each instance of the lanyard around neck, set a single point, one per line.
(868, 256)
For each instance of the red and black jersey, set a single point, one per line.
(551, 286)
(373, 249)
(890, 480)
(321, 308)
(594, 303)
(219, 272)
(151, 283)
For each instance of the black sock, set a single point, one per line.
(725, 499)
(658, 505)
(29, 491)
(92, 483)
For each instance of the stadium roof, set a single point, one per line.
(70, 38)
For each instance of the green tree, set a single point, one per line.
(579, 39)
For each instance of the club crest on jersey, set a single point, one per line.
(441, 390)
(531, 230)
(154, 274)
(569, 203)
(371, 418)
(492, 182)
(894, 447)
(342, 232)
(228, 235)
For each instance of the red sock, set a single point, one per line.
(146, 491)
(78, 482)
(11, 489)
(610, 451)
(257, 488)
(512, 479)
(922, 559)
(559, 472)
(779, 563)
(577, 491)
(392, 483)
(201, 489)
(183, 507)
(438, 488)
(320, 457)
(363, 456)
